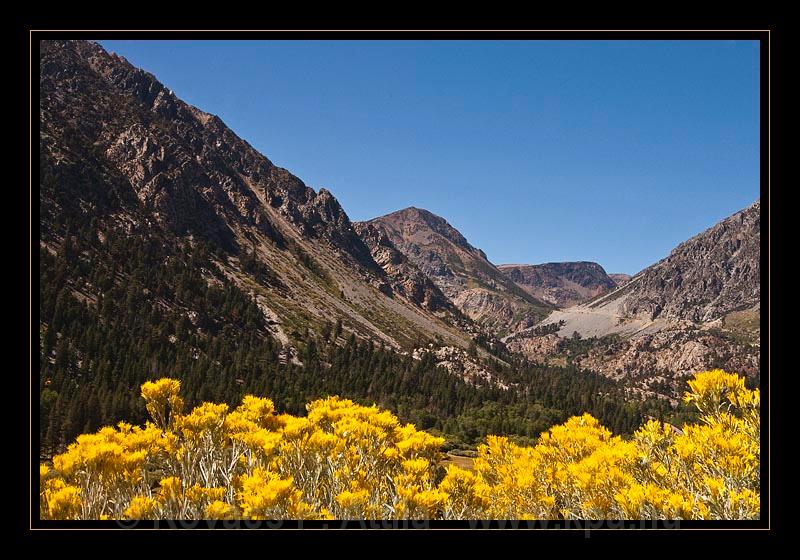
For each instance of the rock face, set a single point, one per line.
(658, 363)
(702, 280)
(120, 147)
(706, 277)
(697, 309)
(458, 362)
(563, 283)
(180, 161)
(461, 271)
(405, 278)
(536, 348)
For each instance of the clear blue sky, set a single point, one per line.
(537, 151)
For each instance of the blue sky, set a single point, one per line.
(537, 151)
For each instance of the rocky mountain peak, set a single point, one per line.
(405, 278)
(413, 219)
(180, 160)
(703, 280)
(706, 277)
(119, 145)
(461, 271)
(561, 283)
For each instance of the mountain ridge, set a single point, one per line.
(709, 275)
(181, 168)
(461, 271)
(697, 308)
(125, 165)
(561, 283)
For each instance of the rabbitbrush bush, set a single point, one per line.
(346, 461)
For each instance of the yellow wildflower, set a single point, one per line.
(219, 510)
(65, 503)
(142, 507)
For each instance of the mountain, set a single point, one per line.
(168, 246)
(120, 148)
(702, 280)
(462, 272)
(705, 278)
(405, 279)
(561, 283)
(697, 308)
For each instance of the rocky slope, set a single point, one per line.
(462, 272)
(706, 277)
(136, 171)
(461, 364)
(711, 275)
(660, 362)
(119, 147)
(539, 348)
(698, 308)
(405, 279)
(562, 284)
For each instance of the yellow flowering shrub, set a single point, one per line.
(347, 461)
(163, 400)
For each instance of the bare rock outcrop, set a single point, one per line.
(561, 283)
(706, 277)
(462, 272)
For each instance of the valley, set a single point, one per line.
(169, 246)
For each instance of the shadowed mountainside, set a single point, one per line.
(121, 148)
